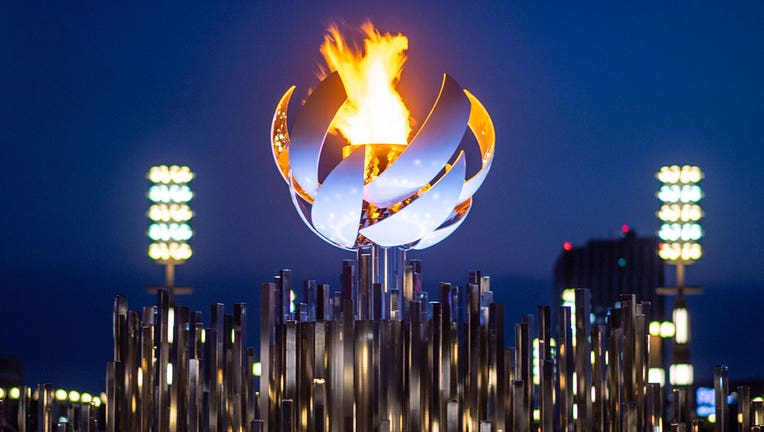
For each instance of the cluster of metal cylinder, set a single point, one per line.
(171, 373)
(345, 362)
(371, 358)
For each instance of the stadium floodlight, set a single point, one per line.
(680, 233)
(170, 213)
(679, 214)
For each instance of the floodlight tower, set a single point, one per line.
(680, 232)
(169, 213)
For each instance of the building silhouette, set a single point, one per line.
(610, 267)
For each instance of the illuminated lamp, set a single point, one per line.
(61, 394)
(681, 374)
(654, 328)
(680, 214)
(656, 375)
(74, 396)
(667, 329)
(170, 213)
(681, 324)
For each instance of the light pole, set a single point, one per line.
(169, 212)
(679, 233)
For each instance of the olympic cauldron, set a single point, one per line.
(408, 196)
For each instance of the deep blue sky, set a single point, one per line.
(588, 102)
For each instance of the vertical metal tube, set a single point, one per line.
(654, 407)
(599, 405)
(678, 403)
(614, 374)
(364, 286)
(547, 396)
(363, 375)
(629, 417)
(45, 406)
(435, 361)
(744, 408)
(23, 413)
(414, 368)
(546, 379)
(452, 416)
(565, 369)
(499, 377)
(721, 391)
(473, 356)
(267, 323)
(521, 423)
(523, 374)
(641, 336)
(757, 413)
(583, 359)
(348, 336)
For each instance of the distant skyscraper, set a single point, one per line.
(609, 267)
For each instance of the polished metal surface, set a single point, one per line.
(410, 195)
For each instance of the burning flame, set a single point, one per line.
(374, 112)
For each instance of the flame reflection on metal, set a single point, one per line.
(409, 196)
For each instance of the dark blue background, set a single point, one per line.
(588, 103)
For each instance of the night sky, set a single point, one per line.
(588, 102)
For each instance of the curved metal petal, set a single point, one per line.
(440, 234)
(308, 133)
(280, 135)
(482, 127)
(303, 209)
(424, 214)
(337, 209)
(433, 146)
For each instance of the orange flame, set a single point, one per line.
(374, 112)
